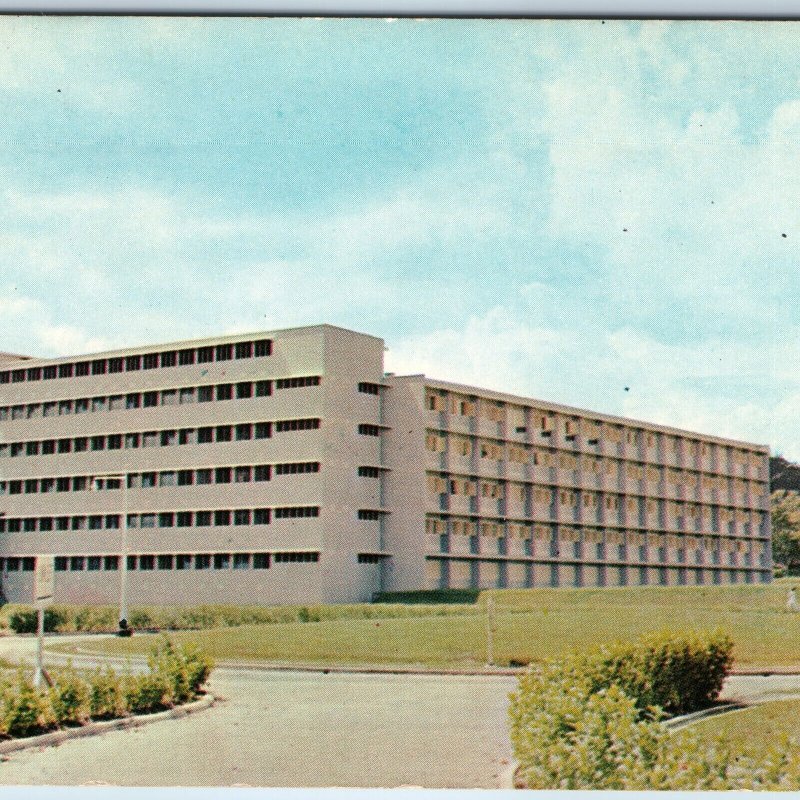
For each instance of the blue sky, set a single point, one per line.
(560, 209)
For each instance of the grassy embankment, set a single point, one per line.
(746, 729)
(530, 625)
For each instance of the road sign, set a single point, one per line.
(43, 580)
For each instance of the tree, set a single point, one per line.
(786, 529)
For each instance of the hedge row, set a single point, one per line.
(591, 721)
(97, 619)
(175, 675)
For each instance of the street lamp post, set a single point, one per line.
(124, 627)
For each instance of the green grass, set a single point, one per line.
(531, 625)
(745, 729)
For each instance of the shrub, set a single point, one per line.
(24, 710)
(70, 698)
(107, 697)
(147, 692)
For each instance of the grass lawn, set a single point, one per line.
(745, 729)
(531, 625)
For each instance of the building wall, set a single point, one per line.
(340, 359)
(413, 483)
(527, 493)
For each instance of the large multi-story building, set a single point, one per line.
(287, 468)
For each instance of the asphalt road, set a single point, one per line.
(301, 729)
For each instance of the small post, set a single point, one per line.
(489, 631)
(37, 680)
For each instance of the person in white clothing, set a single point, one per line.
(791, 600)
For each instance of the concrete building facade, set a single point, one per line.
(287, 468)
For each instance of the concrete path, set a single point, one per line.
(300, 729)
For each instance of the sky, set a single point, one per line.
(602, 214)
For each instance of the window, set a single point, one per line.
(263, 430)
(49, 373)
(241, 516)
(29, 525)
(368, 514)
(116, 365)
(224, 433)
(284, 425)
(244, 390)
(167, 479)
(98, 404)
(244, 350)
(169, 359)
(111, 563)
(224, 352)
(99, 367)
(82, 406)
(202, 519)
(292, 512)
(150, 399)
(186, 396)
(28, 563)
(369, 472)
(222, 517)
(60, 564)
(260, 561)
(115, 441)
(151, 361)
(368, 558)
(147, 562)
(77, 563)
(133, 400)
(35, 374)
(169, 438)
(64, 445)
(81, 444)
(242, 475)
(297, 383)
(202, 561)
(112, 521)
(46, 524)
(262, 472)
(263, 388)
(133, 363)
(244, 432)
(225, 391)
(261, 516)
(31, 486)
(148, 480)
(263, 347)
(369, 388)
(186, 357)
(297, 469)
(187, 436)
(222, 561)
(165, 562)
(296, 558)
(205, 355)
(32, 449)
(241, 560)
(93, 563)
(183, 561)
(98, 443)
(64, 408)
(204, 476)
(65, 370)
(166, 519)
(95, 522)
(185, 477)
(369, 430)
(169, 397)
(147, 520)
(184, 519)
(205, 435)
(131, 441)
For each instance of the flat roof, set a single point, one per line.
(179, 345)
(491, 394)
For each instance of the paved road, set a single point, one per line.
(301, 729)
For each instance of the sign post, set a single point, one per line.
(43, 579)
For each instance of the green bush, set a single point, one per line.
(70, 698)
(106, 694)
(601, 741)
(24, 710)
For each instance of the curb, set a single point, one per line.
(676, 723)
(95, 728)
(508, 775)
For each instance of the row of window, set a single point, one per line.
(166, 478)
(544, 494)
(163, 519)
(164, 438)
(547, 422)
(523, 454)
(133, 363)
(243, 390)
